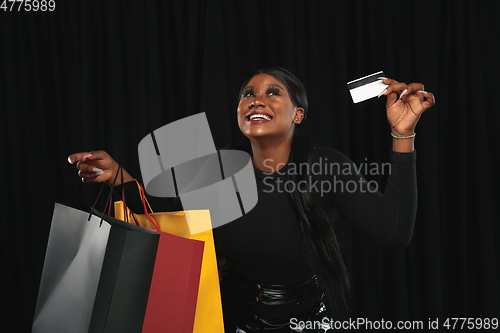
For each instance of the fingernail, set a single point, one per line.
(382, 78)
(422, 91)
(69, 160)
(383, 92)
(99, 173)
(88, 155)
(402, 94)
(96, 170)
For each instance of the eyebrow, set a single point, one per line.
(275, 86)
(272, 85)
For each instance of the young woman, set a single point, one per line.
(282, 263)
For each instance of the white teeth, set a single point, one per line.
(260, 117)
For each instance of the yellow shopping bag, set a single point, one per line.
(208, 317)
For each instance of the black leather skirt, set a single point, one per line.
(251, 307)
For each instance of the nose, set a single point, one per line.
(257, 102)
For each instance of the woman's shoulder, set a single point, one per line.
(332, 155)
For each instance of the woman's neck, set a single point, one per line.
(271, 155)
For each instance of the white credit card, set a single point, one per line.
(366, 87)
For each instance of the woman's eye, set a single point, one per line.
(248, 93)
(273, 92)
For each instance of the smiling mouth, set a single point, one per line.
(258, 117)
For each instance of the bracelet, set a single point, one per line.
(403, 137)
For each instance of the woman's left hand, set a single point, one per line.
(403, 111)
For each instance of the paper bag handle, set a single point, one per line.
(141, 192)
(108, 201)
(144, 200)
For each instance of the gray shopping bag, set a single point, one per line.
(96, 276)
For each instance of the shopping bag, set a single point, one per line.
(209, 317)
(98, 275)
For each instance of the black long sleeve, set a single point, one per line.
(387, 218)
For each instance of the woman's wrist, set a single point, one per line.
(403, 145)
(117, 175)
(403, 140)
(410, 136)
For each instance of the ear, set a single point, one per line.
(299, 116)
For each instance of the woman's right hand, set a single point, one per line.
(97, 166)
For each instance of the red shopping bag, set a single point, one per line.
(174, 286)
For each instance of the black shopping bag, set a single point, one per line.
(97, 274)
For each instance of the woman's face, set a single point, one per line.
(266, 110)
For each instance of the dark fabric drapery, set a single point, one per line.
(102, 74)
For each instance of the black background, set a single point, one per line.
(102, 74)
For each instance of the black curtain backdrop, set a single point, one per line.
(103, 74)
